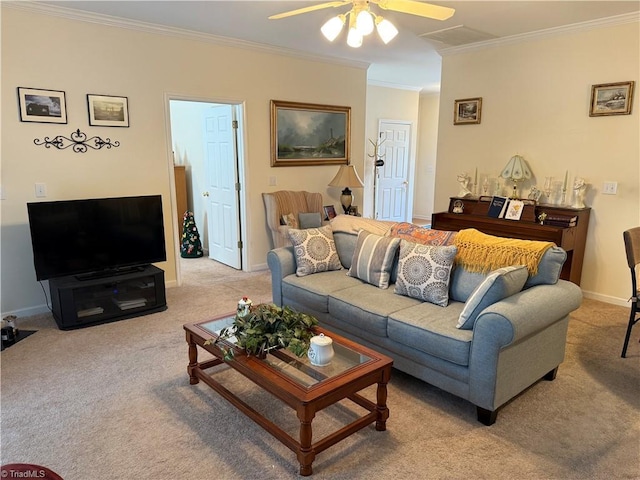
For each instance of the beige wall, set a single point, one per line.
(427, 155)
(385, 103)
(81, 57)
(535, 103)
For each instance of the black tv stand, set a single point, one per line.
(107, 298)
(110, 273)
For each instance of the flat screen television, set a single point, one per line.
(96, 236)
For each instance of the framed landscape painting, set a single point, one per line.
(305, 134)
(42, 106)
(108, 111)
(611, 99)
(467, 111)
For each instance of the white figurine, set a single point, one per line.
(463, 180)
(579, 188)
(535, 193)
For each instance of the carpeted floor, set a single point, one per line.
(113, 402)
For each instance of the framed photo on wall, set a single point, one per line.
(611, 99)
(108, 111)
(42, 106)
(305, 134)
(467, 111)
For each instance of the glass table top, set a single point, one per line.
(300, 369)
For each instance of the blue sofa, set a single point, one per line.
(513, 343)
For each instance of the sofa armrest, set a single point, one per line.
(518, 340)
(281, 262)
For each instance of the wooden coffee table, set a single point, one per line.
(305, 388)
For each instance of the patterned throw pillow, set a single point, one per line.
(425, 236)
(498, 285)
(290, 220)
(315, 250)
(373, 258)
(424, 272)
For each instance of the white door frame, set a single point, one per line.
(241, 149)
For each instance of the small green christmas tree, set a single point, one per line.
(191, 246)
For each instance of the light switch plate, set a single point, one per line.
(41, 190)
(610, 188)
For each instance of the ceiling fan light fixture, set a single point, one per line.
(354, 38)
(364, 22)
(332, 28)
(386, 29)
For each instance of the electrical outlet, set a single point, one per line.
(610, 188)
(273, 181)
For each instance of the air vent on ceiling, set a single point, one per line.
(458, 35)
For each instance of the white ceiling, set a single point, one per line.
(409, 60)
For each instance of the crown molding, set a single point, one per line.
(110, 21)
(398, 86)
(632, 17)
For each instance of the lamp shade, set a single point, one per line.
(386, 29)
(332, 28)
(516, 169)
(346, 177)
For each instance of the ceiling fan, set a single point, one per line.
(362, 20)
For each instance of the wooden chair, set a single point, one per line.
(632, 247)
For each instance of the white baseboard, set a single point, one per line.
(606, 298)
(28, 312)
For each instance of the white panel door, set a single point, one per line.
(222, 177)
(392, 190)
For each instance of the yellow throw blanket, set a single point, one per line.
(479, 252)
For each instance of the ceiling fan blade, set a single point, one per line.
(416, 8)
(310, 9)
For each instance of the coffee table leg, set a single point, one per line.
(193, 359)
(305, 454)
(381, 395)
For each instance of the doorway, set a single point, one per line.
(392, 188)
(207, 138)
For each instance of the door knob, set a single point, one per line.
(205, 194)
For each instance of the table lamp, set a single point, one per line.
(516, 170)
(348, 178)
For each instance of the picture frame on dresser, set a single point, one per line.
(41, 105)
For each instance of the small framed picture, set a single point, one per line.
(611, 99)
(329, 212)
(108, 111)
(42, 106)
(353, 210)
(467, 111)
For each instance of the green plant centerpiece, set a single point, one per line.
(268, 326)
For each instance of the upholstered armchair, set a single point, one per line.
(289, 203)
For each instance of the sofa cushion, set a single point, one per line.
(498, 285)
(309, 220)
(424, 271)
(432, 329)
(313, 290)
(373, 258)
(365, 307)
(315, 250)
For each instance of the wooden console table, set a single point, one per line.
(571, 239)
